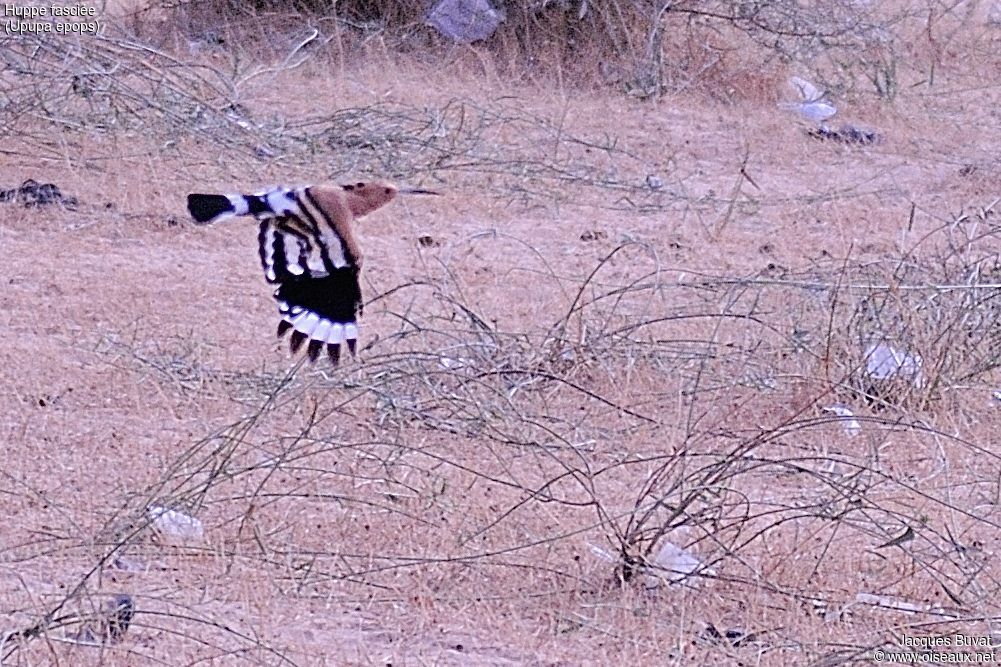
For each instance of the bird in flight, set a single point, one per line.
(309, 250)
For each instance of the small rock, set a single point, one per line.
(109, 625)
(465, 21)
(731, 636)
(846, 134)
(594, 235)
(121, 611)
(31, 193)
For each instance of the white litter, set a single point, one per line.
(464, 21)
(851, 424)
(892, 603)
(885, 362)
(816, 112)
(672, 564)
(601, 553)
(176, 524)
(128, 565)
(889, 602)
(996, 394)
(813, 106)
(807, 91)
(448, 363)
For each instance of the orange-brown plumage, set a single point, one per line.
(344, 203)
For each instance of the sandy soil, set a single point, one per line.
(619, 327)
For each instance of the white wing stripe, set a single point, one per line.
(281, 202)
(239, 203)
(322, 330)
(293, 250)
(306, 323)
(268, 253)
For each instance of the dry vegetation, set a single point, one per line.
(619, 330)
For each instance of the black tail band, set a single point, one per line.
(205, 208)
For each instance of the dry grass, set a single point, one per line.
(619, 329)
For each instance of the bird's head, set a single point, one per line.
(363, 198)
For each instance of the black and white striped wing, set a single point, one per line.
(318, 300)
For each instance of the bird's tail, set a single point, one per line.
(207, 209)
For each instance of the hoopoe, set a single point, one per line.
(309, 250)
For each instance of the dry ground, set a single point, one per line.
(621, 328)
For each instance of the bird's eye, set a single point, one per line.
(360, 186)
(389, 190)
(349, 188)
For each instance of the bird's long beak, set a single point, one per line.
(417, 191)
